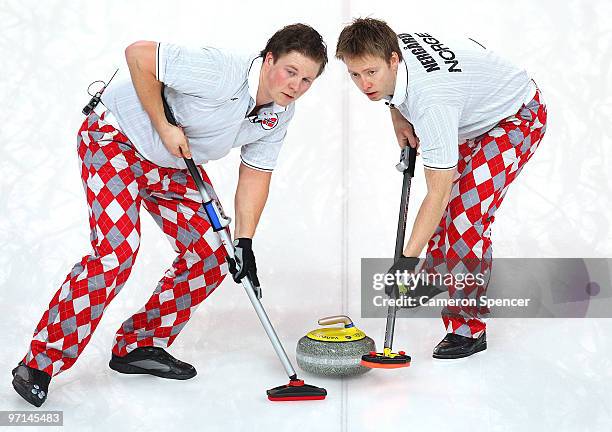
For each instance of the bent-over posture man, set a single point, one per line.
(131, 155)
(477, 120)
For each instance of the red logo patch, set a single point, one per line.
(269, 122)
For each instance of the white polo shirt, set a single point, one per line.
(454, 90)
(210, 92)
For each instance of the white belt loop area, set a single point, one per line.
(108, 115)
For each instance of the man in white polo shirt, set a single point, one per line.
(131, 154)
(477, 120)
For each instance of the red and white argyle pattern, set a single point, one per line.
(462, 241)
(117, 180)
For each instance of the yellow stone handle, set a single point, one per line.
(335, 319)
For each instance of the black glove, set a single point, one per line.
(244, 262)
(403, 264)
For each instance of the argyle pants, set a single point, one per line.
(461, 244)
(117, 180)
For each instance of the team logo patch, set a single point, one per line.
(269, 122)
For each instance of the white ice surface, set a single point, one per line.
(536, 375)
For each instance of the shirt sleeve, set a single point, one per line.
(262, 154)
(203, 72)
(438, 130)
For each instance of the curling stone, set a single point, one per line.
(334, 351)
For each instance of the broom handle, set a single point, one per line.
(406, 166)
(219, 222)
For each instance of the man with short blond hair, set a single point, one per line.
(442, 92)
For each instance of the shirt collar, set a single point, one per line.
(253, 83)
(401, 83)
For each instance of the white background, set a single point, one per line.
(334, 200)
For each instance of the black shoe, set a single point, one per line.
(454, 346)
(31, 384)
(153, 361)
(421, 294)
